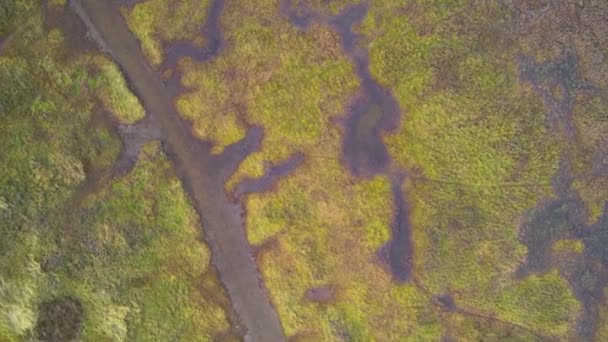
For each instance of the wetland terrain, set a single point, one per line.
(289, 170)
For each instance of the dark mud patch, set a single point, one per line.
(553, 220)
(134, 137)
(557, 83)
(4, 42)
(267, 246)
(60, 320)
(71, 27)
(590, 277)
(343, 24)
(172, 79)
(588, 281)
(214, 40)
(447, 338)
(272, 174)
(446, 302)
(325, 294)
(372, 113)
(52, 262)
(600, 164)
(397, 253)
(299, 14)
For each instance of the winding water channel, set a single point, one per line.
(373, 112)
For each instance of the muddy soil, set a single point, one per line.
(60, 320)
(321, 294)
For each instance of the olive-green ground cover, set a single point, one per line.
(126, 251)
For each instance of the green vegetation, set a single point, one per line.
(157, 22)
(10, 13)
(254, 81)
(123, 258)
(203, 107)
(328, 232)
(541, 302)
(119, 258)
(270, 74)
(131, 231)
(470, 136)
(568, 245)
(113, 92)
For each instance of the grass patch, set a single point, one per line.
(328, 227)
(158, 22)
(269, 74)
(151, 289)
(130, 255)
(114, 93)
(544, 303)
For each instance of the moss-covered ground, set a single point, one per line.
(121, 260)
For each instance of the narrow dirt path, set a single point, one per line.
(202, 173)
